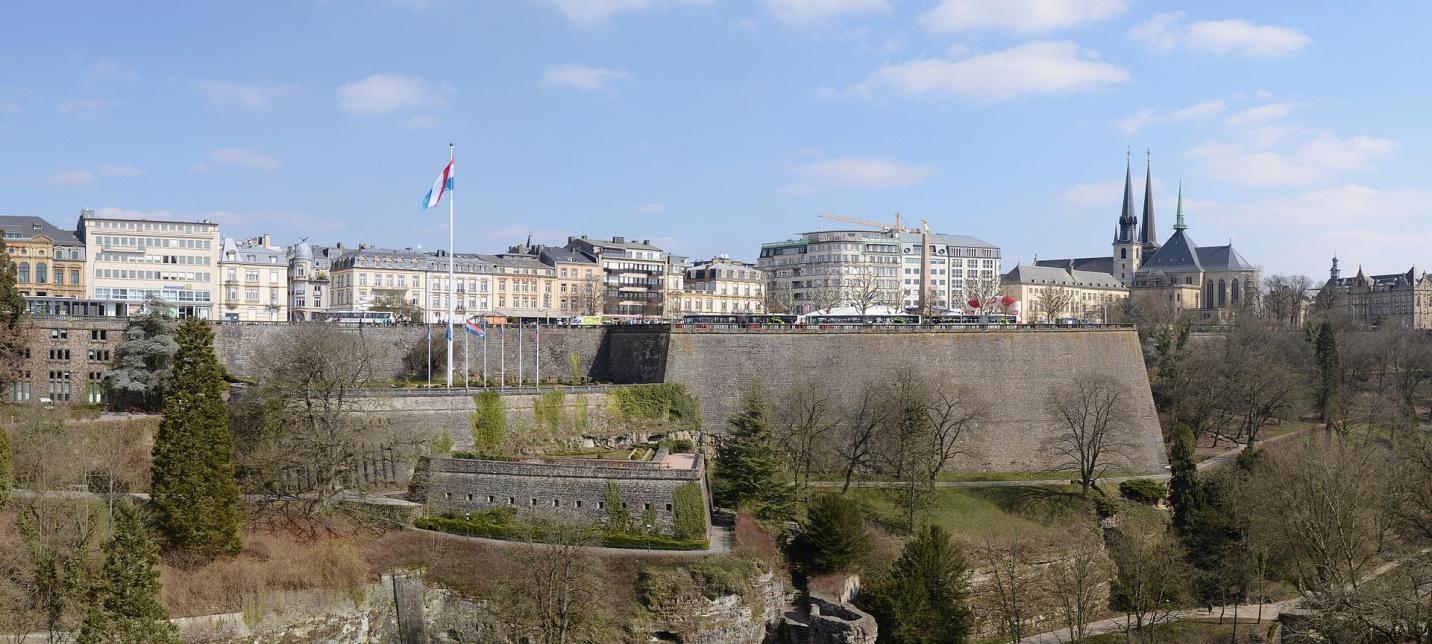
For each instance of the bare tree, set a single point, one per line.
(1285, 298)
(858, 431)
(303, 430)
(987, 293)
(952, 412)
(556, 598)
(1267, 372)
(590, 295)
(1011, 592)
(865, 288)
(826, 292)
(1091, 422)
(404, 312)
(776, 298)
(1078, 581)
(1054, 300)
(803, 425)
(1152, 580)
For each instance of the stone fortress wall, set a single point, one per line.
(1011, 371)
(568, 488)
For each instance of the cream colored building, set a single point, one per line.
(722, 285)
(46, 261)
(132, 260)
(1048, 294)
(254, 284)
(511, 285)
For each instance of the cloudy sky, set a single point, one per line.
(710, 126)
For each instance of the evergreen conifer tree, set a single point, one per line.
(1183, 481)
(7, 468)
(13, 340)
(750, 472)
(835, 539)
(195, 496)
(924, 597)
(123, 603)
(1328, 368)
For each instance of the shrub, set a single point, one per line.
(1143, 490)
(679, 445)
(548, 411)
(441, 444)
(618, 515)
(667, 401)
(7, 469)
(688, 512)
(1105, 507)
(489, 424)
(574, 365)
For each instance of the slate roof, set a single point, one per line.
(945, 239)
(1026, 274)
(1103, 264)
(1178, 254)
(28, 227)
(1222, 258)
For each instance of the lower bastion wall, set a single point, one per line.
(1011, 373)
(568, 488)
(426, 417)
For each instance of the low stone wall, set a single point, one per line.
(829, 621)
(573, 489)
(427, 417)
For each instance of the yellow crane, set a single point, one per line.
(866, 222)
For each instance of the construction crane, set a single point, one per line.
(873, 224)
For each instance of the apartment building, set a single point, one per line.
(47, 261)
(525, 287)
(580, 288)
(255, 281)
(633, 273)
(309, 293)
(721, 285)
(132, 260)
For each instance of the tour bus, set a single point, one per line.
(740, 319)
(359, 318)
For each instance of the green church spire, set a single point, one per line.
(1179, 225)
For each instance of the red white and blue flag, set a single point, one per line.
(475, 329)
(443, 184)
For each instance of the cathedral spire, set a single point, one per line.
(1127, 223)
(1148, 232)
(1178, 221)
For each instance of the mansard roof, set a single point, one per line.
(1026, 274)
(1103, 264)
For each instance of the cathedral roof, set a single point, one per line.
(1222, 258)
(1103, 264)
(1177, 254)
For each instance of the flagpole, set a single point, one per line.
(502, 356)
(520, 349)
(537, 355)
(465, 368)
(486, 376)
(430, 355)
(452, 163)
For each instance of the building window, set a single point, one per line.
(59, 334)
(24, 272)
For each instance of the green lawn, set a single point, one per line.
(1190, 631)
(1020, 475)
(973, 513)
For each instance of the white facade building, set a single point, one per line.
(254, 284)
(132, 260)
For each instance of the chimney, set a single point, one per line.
(267, 240)
(338, 245)
(618, 240)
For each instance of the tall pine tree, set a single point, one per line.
(1183, 482)
(13, 340)
(1329, 371)
(195, 496)
(750, 472)
(7, 468)
(123, 603)
(924, 597)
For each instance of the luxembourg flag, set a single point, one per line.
(473, 328)
(443, 184)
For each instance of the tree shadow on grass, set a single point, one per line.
(1041, 504)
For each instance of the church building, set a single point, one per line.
(1211, 282)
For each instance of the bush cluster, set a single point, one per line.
(1143, 490)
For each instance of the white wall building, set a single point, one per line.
(254, 284)
(131, 260)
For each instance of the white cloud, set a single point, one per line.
(383, 93)
(857, 172)
(1261, 114)
(1312, 161)
(1100, 193)
(240, 157)
(1058, 67)
(422, 122)
(83, 106)
(248, 96)
(115, 170)
(582, 77)
(1145, 117)
(107, 71)
(807, 11)
(1170, 31)
(1021, 16)
(652, 208)
(588, 13)
(1340, 205)
(70, 178)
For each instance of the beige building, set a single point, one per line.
(1399, 298)
(309, 281)
(255, 281)
(722, 285)
(46, 261)
(633, 273)
(133, 260)
(1048, 294)
(510, 284)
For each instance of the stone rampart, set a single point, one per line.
(568, 488)
(1010, 372)
(425, 417)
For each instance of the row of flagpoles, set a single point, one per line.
(479, 329)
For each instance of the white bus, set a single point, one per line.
(359, 318)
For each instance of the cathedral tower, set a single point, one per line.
(1128, 249)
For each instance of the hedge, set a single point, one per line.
(1143, 490)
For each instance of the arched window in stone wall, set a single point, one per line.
(1222, 294)
(1208, 295)
(1235, 291)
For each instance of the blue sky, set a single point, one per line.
(710, 126)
